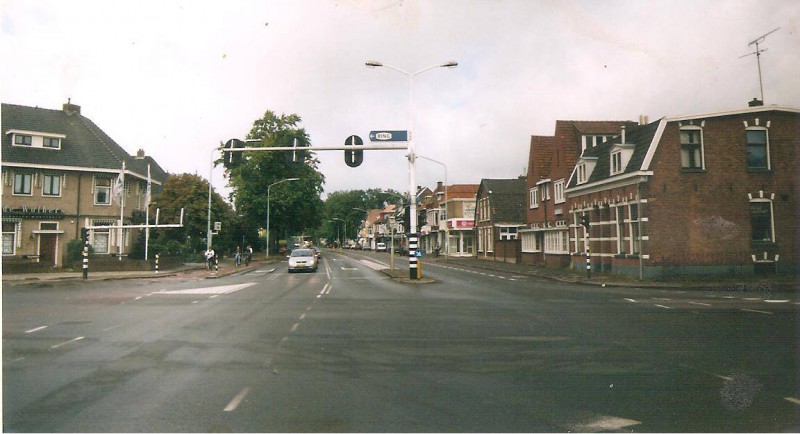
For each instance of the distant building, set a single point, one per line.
(59, 175)
(699, 194)
(499, 215)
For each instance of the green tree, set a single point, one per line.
(295, 207)
(190, 192)
(347, 205)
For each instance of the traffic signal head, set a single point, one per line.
(353, 158)
(585, 221)
(85, 235)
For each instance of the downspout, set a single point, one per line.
(639, 225)
(78, 209)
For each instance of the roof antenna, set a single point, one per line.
(758, 52)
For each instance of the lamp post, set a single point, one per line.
(446, 232)
(209, 234)
(413, 272)
(337, 231)
(268, 187)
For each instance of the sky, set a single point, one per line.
(176, 78)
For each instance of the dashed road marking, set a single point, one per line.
(792, 400)
(662, 306)
(225, 289)
(36, 329)
(237, 399)
(66, 342)
(698, 303)
(757, 311)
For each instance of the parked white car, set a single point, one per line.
(380, 247)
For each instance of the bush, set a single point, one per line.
(75, 250)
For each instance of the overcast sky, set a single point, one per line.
(175, 78)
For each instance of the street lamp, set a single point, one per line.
(337, 231)
(446, 233)
(412, 176)
(268, 187)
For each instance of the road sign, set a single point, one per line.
(353, 158)
(232, 159)
(388, 136)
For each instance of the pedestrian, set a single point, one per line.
(238, 256)
(248, 255)
(210, 258)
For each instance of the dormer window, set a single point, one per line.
(584, 168)
(35, 139)
(591, 140)
(620, 156)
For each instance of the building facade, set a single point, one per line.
(499, 215)
(62, 173)
(545, 239)
(699, 194)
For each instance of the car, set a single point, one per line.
(302, 260)
(317, 251)
(380, 247)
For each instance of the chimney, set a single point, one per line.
(755, 102)
(623, 134)
(140, 154)
(71, 109)
(644, 120)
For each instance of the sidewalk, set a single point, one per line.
(196, 270)
(734, 283)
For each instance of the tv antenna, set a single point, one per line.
(758, 52)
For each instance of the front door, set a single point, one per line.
(47, 248)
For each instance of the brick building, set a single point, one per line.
(59, 175)
(499, 214)
(700, 194)
(545, 239)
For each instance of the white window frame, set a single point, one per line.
(26, 189)
(508, 233)
(57, 179)
(685, 155)
(11, 238)
(100, 188)
(580, 171)
(616, 162)
(558, 191)
(22, 140)
(533, 197)
(48, 141)
(771, 221)
(556, 242)
(766, 148)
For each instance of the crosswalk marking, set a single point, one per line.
(211, 290)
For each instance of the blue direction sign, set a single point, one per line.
(388, 136)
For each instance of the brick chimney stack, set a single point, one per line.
(71, 109)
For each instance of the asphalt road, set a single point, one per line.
(349, 349)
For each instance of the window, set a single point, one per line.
(533, 197)
(616, 162)
(545, 192)
(761, 221)
(52, 142)
(581, 173)
(556, 242)
(22, 183)
(558, 191)
(757, 149)
(508, 233)
(22, 140)
(9, 237)
(530, 242)
(101, 238)
(691, 148)
(51, 185)
(591, 140)
(102, 191)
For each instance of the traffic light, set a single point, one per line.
(85, 235)
(232, 159)
(353, 158)
(585, 221)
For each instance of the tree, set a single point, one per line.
(342, 205)
(190, 192)
(295, 207)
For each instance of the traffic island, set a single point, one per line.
(402, 277)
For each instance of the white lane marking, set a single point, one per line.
(302, 316)
(698, 303)
(604, 424)
(66, 342)
(373, 265)
(214, 296)
(327, 288)
(265, 271)
(792, 400)
(661, 299)
(349, 268)
(724, 377)
(663, 307)
(752, 299)
(112, 327)
(225, 289)
(776, 301)
(295, 326)
(237, 399)
(36, 329)
(757, 311)
(630, 300)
